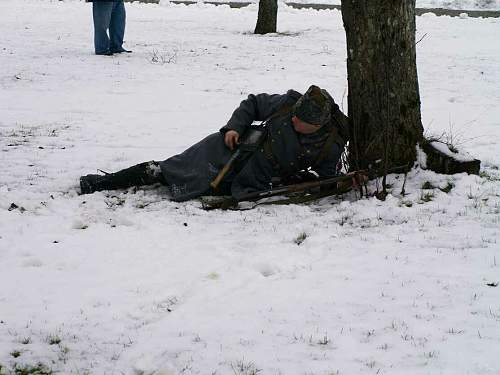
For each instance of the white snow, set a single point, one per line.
(460, 4)
(454, 154)
(129, 282)
(444, 4)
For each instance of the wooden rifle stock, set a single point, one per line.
(253, 136)
(217, 180)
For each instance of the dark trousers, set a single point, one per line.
(108, 15)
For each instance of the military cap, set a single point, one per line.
(313, 107)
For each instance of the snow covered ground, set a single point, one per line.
(445, 4)
(131, 283)
(460, 4)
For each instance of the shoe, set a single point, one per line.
(107, 53)
(123, 50)
(137, 175)
(90, 183)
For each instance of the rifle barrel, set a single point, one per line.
(303, 186)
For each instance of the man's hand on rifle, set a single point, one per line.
(232, 139)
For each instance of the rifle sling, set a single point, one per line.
(332, 138)
(266, 147)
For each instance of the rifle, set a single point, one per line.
(228, 202)
(251, 139)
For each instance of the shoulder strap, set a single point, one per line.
(266, 147)
(332, 138)
(280, 112)
(286, 107)
(293, 96)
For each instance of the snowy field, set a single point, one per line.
(131, 283)
(445, 4)
(459, 4)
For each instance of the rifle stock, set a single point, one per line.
(217, 180)
(253, 136)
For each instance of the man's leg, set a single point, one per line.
(147, 173)
(117, 27)
(102, 17)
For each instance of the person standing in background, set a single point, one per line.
(108, 15)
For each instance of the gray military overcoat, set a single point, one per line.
(188, 175)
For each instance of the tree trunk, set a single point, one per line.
(383, 99)
(267, 18)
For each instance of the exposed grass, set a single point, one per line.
(427, 185)
(449, 186)
(53, 339)
(244, 368)
(488, 176)
(406, 203)
(453, 138)
(38, 369)
(426, 196)
(162, 58)
(324, 340)
(300, 238)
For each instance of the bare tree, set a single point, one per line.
(384, 99)
(267, 18)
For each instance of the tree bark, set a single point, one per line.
(383, 99)
(267, 18)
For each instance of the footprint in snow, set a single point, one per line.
(33, 262)
(266, 269)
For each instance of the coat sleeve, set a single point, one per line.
(255, 108)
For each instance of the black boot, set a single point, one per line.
(141, 174)
(90, 183)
